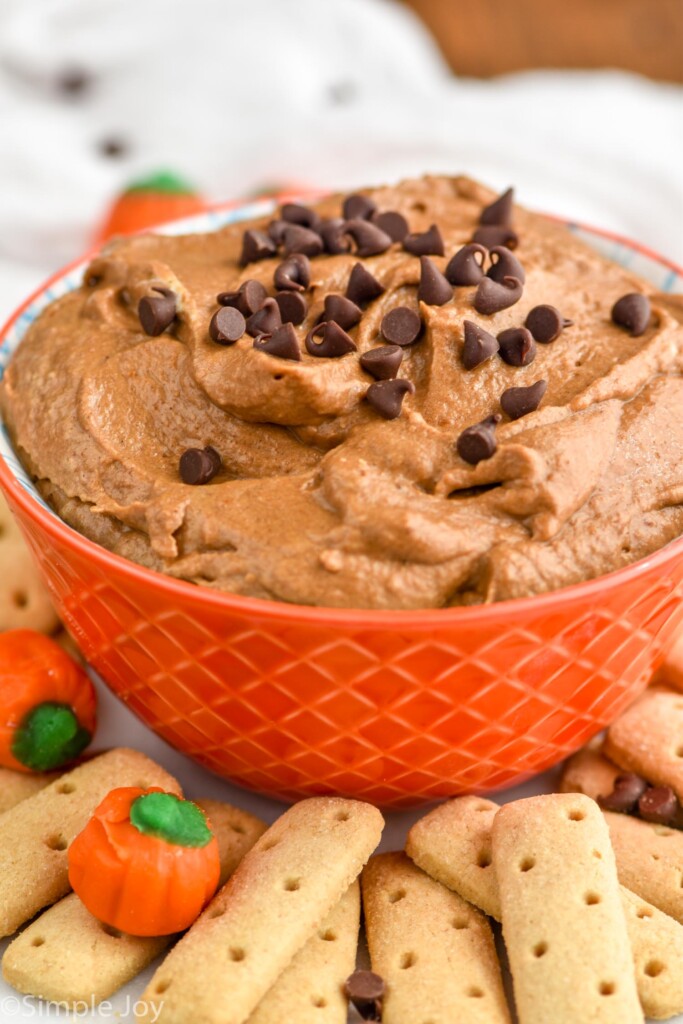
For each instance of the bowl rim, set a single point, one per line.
(226, 601)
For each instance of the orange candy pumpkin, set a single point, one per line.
(47, 703)
(146, 863)
(148, 203)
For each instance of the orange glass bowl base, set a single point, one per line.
(393, 707)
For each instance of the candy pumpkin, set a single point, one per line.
(146, 863)
(47, 703)
(149, 202)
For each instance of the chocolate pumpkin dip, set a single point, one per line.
(413, 397)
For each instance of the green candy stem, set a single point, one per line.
(163, 181)
(48, 737)
(164, 816)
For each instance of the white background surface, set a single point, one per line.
(334, 94)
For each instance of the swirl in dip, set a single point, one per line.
(322, 485)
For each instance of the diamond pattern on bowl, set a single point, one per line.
(396, 713)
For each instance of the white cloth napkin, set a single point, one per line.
(334, 94)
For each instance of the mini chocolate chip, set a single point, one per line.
(249, 297)
(265, 320)
(632, 312)
(464, 268)
(113, 146)
(505, 265)
(478, 442)
(516, 346)
(199, 465)
(252, 295)
(393, 223)
(370, 240)
(358, 207)
(492, 296)
(332, 233)
(434, 289)
(499, 211)
(256, 245)
(74, 81)
(300, 239)
(293, 274)
(426, 243)
(496, 234)
(156, 313)
(276, 230)
(365, 990)
(227, 325)
(402, 326)
(546, 323)
(478, 345)
(293, 307)
(383, 362)
(517, 402)
(658, 805)
(227, 298)
(335, 341)
(628, 789)
(386, 396)
(282, 343)
(342, 310)
(362, 287)
(295, 213)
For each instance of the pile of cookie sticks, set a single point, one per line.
(591, 902)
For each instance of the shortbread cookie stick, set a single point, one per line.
(24, 600)
(35, 835)
(563, 921)
(648, 738)
(67, 956)
(649, 861)
(432, 948)
(589, 772)
(236, 831)
(658, 956)
(311, 989)
(281, 892)
(17, 786)
(453, 844)
(441, 843)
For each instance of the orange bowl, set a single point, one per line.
(393, 707)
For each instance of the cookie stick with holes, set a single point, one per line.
(35, 834)
(648, 738)
(18, 786)
(24, 600)
(67, 956)
(431, 947)
(588, 771)
(311, 989)
(288, 883)
(453, 844)
(563, 920)
(649, 861)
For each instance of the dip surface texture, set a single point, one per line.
(320, 498)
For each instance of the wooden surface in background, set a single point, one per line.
(492, 37)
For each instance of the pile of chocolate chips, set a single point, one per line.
(634, 795)
(299, 234)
